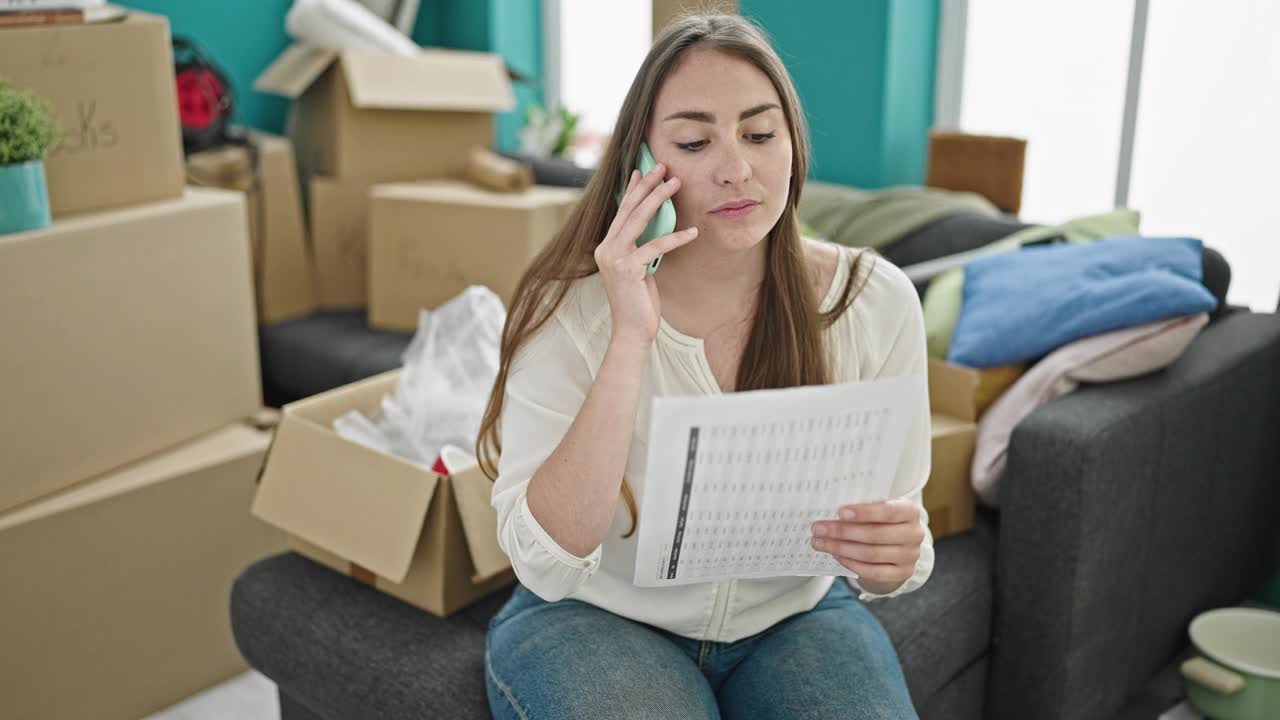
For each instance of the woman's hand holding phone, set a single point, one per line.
(633, 294)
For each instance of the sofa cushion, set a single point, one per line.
(951, 235)
(877, 218)
(945, 626)
(327, 349)
(945, 295)
(346, 650)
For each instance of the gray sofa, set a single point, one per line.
(1127, 509)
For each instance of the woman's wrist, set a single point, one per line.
(629, 345)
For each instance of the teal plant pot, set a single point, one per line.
(24, 197)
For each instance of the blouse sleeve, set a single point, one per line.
(546, 387)
(899, 319)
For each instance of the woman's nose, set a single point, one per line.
(733, 168)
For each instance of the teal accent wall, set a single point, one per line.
(518, 38)
(910, 69)
(244, 36)
(864, 70)
(510, 28)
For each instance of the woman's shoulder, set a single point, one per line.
(584, 310)
(574, 327)
(571, 332)
(824, 261)
(884, 302)
(885, 283)
(876, 281)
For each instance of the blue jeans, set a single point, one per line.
(570, 660)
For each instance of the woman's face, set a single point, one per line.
(718, 125)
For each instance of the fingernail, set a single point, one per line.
(847, 513)
(692, 231)
(819, 545)
(820, 530)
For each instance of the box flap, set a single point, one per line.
(473, 491)
(432, 80)
(947, 425)
(360, 504)
(953, 390)
(294, 71)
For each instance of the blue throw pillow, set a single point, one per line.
(1020, 306)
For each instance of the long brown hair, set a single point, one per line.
(786, 346)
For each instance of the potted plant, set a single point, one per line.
(27, 132)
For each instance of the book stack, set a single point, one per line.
(25, 13)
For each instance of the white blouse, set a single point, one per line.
(881, 334)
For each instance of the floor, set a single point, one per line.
(1182, 712)
(250, 696)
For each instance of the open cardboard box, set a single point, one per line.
(426, 538)
(948, 496)
(363, 115)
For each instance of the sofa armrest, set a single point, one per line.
(1126, 509)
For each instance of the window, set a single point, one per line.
(1054, 73)
(595, 49)
(1206, 157)
(1196, 81)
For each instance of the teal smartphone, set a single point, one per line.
(664, 221)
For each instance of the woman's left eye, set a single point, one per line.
(760, 137)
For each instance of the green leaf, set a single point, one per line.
(28, 129)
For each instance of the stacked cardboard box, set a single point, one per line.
(428, 241)
(948, 496)
(112, 89)
(127, 332)
(360, 118)
(116, 605)
(265, 171)
(130, 364)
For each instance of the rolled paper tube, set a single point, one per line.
(490, 170)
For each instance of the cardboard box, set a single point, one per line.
(112, 88)
(948, 496)
(428, 539)
(125, 332)
(429, 241)
(282, 269)
(339, 231)
(988, 165)
(992, 382)
(362, 115)
(115, 602)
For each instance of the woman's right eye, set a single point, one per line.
(694, 146)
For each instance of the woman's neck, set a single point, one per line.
(704, 287)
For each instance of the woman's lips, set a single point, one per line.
(736, 212)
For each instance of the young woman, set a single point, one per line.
(741, 302)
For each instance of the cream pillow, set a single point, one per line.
(1115, 355)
